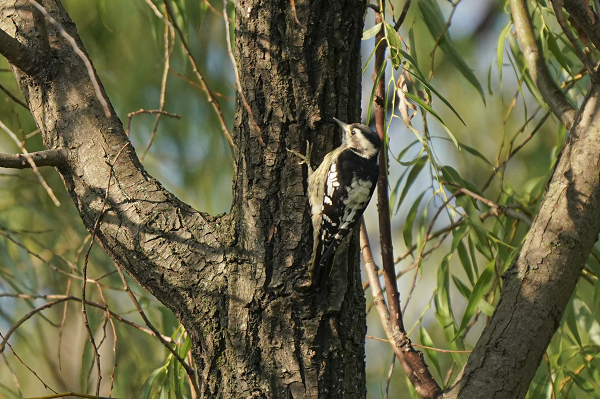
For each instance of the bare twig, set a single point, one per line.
(209, 94)
(516, 149)
(13, 97)
(85, 265)
(418, 346)
(147, 111)
(22, 362)
(31, 163)
(163, 90)
(63, 298)
(400, 21)
(440, 37)
(80, 53)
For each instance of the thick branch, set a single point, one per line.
(18, 54)
(556, 99)
(54, 157)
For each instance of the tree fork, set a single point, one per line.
(231, 278)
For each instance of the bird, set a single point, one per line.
(339, 191)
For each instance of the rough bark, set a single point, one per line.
(233, 280)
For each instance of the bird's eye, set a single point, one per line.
(353, 132)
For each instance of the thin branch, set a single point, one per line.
(85, 265)
(64, 298)
(147, 111)
(18, 54)
(412, 361)
(536, 65)
(55, 157)
(13, 97)
(31, 163)
(418, 346)
(402, 17)
(163, 89)
(25, 364)
(516, 149)
(385, 229)
(80, 53)
(209, 94)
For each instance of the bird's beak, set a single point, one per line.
(344, 126)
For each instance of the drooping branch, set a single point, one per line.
(54, 157)
(536, 65)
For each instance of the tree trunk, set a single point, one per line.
(235, 281)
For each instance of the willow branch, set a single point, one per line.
(556, 99)
(383, 206)
(411, 360)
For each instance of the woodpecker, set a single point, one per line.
(339, 190)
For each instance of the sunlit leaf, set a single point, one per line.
(394, 45)
(369, 33)
(407, 230)
(426, 340)
(500, 48)
(479, 290)
(412, 175)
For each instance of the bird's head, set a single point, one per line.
(361, 139)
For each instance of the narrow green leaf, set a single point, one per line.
(432, 112)
(458, 235)
(396, 190)
(500, 48)
(419, 76)
(489, 80)
(413, 48)
(426, 340)
(477, 294)
(463, 255)
(472, 218)
(369, 33)
(394, 44)
(557, 52)
(407, 231)
(147, 388)
(570, 318)
(412, 175)
(462, 288)
(581, 382)
(443, 313)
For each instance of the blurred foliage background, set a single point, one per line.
(453, 288)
